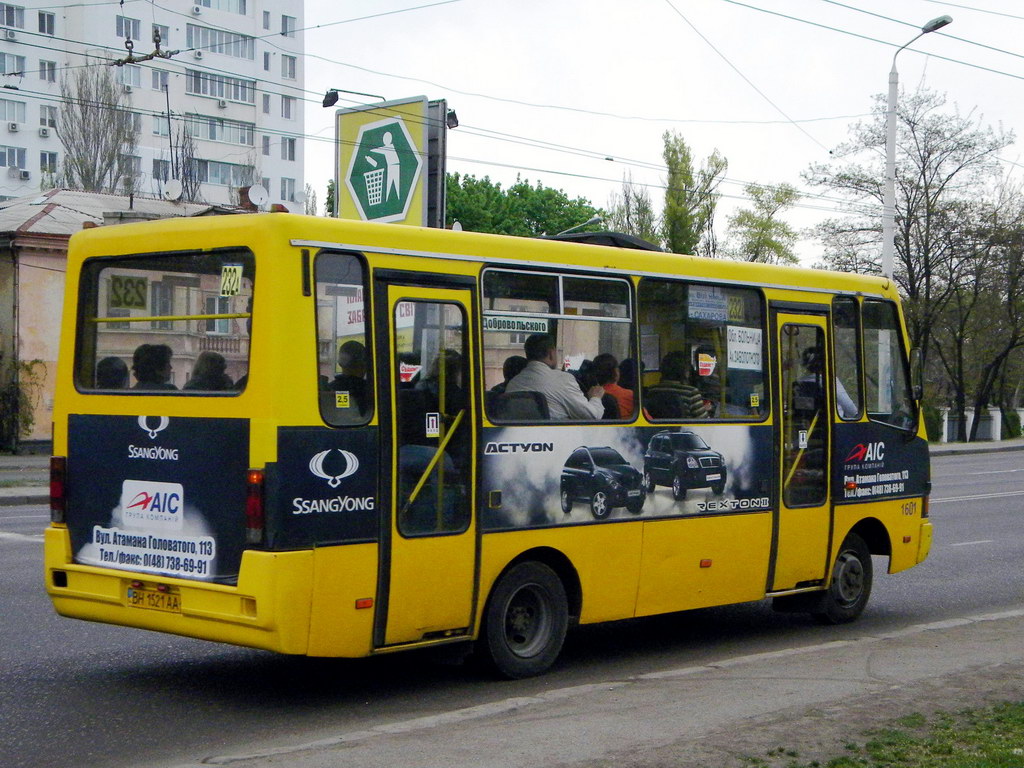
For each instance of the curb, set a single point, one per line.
(24, 497)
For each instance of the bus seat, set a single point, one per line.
(518, 406)
(664, 404)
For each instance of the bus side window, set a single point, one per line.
(846, 356)
(887, 376)
(343, 346)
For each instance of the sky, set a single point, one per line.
(576, 94)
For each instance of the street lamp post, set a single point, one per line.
(889, 198)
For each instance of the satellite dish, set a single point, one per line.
(258, 195)
(172, 190)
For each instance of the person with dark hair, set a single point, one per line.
(562, 392)
(672, 397)
(629, 375)
(151, 365)
(352, 379)
(111, 373)
(606, 367)
(512, 367)
(209, 373)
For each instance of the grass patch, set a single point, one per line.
(992, 737)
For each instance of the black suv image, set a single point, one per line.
(683, 461)
(602, 477)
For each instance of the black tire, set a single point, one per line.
(566, 501)
(525, 621)
(600, 508)
(850, 585)
(678, 489)
(648, 482)
(636, 506)
(718, 488)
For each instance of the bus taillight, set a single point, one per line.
(254, 507)
(58, 484)
(924, 507)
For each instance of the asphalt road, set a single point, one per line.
(73, 693)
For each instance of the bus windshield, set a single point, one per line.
(165, 323)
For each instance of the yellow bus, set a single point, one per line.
(296, 434)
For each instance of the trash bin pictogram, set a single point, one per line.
(374, 186)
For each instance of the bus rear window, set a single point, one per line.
(165, 323)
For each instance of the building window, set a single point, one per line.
(12, 157)
(218, 305)
(266, 19)
(231, 6)
(288, 26)
(218, 129)
(220, 41)
(47, 22)
(161, 170)
(48, 116)
(224, 174)
(220, 86)
(131, 74)
(265, 182)
(127, 27)
(288, 107)
(12, 111)
(47, 69)
(47, 162)
(162, 303)
(287, 149)
(288, 67)
(12, 15)
(266, 103)
(164, 32)
(159, 79)
(10, 64)
(266, 145)
(288, 189)
(160, 127)
(266, 61)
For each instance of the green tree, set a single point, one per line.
(757, 232)
(329, 201)
(687, 222)
(481, 205)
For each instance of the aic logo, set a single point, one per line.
(866, 452)
(148, 504)
(316, 466)
(162, 422)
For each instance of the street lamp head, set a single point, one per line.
(936, 23)
(330, 98)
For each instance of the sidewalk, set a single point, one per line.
(33, 469)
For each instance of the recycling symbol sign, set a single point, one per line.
(384, 170)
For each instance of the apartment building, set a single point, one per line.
(235, 79)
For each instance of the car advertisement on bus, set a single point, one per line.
(587, 473)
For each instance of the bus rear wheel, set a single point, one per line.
(526, 620)
(850, 585)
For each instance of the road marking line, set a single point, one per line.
(975, 497)
(995, 472)
(519, 702)
(7, 536)
(24, 517)
(968, 543)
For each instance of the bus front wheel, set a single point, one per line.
(526, 620)
(850, 585)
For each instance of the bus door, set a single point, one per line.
(803, 523)
(428, 550)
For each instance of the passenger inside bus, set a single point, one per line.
(209, 373)
(812, 359)
(565, 399)
(673, 397)
(352, 379)
(590, 374)
(112, 373)
(513, 365)
(613, 386)
(151, 364)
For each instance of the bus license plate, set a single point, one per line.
(153, 600)
(716, 476)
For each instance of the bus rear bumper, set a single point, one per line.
(924, 545)
(268, 609)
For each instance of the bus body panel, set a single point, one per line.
(343, 575)
(605, 558)
(704, 561)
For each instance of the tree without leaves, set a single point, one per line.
(687, 222)
(310, 202)
(98, 131)
(631, 211)
(759, 234)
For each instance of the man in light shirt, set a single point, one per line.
(566, 401)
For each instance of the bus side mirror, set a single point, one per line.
(916, 373)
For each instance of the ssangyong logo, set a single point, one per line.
(316, 466)
(162, 422)
(866, 452)
(148, 504)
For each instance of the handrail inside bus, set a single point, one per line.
(138, 318)
(433, 461)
